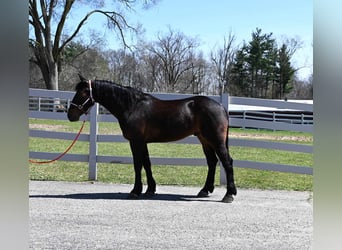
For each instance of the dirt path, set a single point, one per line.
(98, 216)
(260, 136)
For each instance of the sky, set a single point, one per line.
(211, 21)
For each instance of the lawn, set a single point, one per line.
(173, 175)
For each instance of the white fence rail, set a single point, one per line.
(272, 114)
(42, 102)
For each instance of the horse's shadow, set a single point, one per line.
(123, 196)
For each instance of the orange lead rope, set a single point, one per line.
(66, 151)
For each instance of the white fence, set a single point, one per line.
(42, 102)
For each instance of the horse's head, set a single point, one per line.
(82, 101)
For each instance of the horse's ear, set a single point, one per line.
(82, 78)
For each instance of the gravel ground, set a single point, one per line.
(66, 215)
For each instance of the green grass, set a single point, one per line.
(174, 175)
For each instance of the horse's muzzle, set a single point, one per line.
(73, 117)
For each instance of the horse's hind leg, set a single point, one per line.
(227, 163)
(212, 162)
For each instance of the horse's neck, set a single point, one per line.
(109, 96)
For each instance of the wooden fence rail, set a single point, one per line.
(94, 138)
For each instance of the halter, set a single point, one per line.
(90, 98)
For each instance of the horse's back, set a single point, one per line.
(200, 108)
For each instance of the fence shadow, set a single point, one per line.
(123, 196)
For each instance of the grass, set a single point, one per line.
(174, 175)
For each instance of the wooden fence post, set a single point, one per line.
(93, 142)
(225, 103)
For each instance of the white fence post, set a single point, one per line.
(244, 119)
(93, 142)
(39, 103)
(274, 120)
(225, 103)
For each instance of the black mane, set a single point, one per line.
(125, 95)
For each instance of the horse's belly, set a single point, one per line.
(170, 126)
(167, 135)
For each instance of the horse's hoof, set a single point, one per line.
(203, 194)
(133, 196)
(149, 195)
(228, 198)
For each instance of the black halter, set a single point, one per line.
(90, 98)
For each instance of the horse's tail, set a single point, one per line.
(227, 139)
(227, 115)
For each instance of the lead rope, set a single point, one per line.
(62, 154)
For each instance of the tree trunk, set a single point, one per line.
(50, 75)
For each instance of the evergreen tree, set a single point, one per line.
(259, 62)
(262, 70)
(240, 78)
(286, 72)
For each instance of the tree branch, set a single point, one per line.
(44, 13)
(35, 22)
(56, 50)
(117, 20)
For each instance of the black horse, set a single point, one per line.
(144, 119)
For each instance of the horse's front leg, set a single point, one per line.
(136, 148)
(151, 184)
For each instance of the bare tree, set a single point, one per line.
(48, 18)
(196, 78)
(175, 53)
(292, 44)
(124, 67)
(150, 71)
(222, 60)
(302, 89)
(91, 62)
